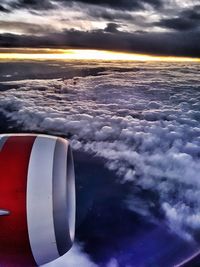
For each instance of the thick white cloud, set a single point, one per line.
(144, 123)
(74, 258)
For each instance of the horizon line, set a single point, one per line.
(85, 54)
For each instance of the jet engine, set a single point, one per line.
(37, 199)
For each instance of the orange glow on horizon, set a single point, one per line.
(85, 54)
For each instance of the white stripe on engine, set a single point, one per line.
(39, 201)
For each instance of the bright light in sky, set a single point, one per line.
(86, 54)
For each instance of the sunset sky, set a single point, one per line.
(155, 27)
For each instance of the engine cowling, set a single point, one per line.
(37, 199)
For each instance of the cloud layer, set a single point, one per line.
(145, 123)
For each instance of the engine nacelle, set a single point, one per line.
(37, 199)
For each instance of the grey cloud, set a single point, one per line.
(182, 38)
(25, 27)
(33, 4)
(3, 9)
(112, 15)
(112, 28)
(179, 24)
(193, 14)
(121, 4)
(118, 4)
(177, 44)
(117, 16)
(185, 20)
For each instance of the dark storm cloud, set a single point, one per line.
(121, 4)
(3, 9)
(185, 20)
(111, 27)
(193, 14)
(173, 44)
(179, 24)
(181, 36)
(117, 4)
(33, 4)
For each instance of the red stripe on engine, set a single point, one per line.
(15, 248)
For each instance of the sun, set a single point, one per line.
(84, 54)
